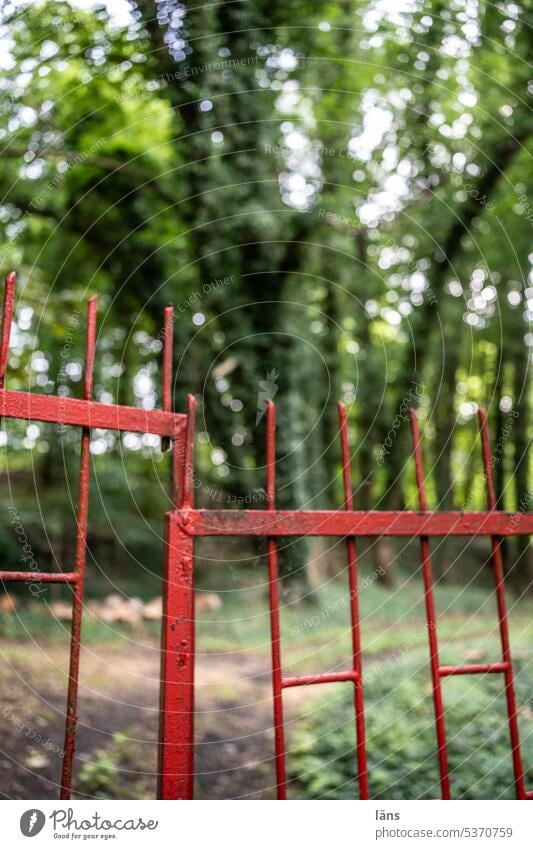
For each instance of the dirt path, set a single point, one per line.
(117, 730)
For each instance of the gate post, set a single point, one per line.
(176, 723)
(176, 764)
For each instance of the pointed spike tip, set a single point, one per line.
(11, 278)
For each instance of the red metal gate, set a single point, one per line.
(185, 524)
(86, 414)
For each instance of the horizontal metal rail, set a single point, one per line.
(323, 678)
(77, 412)
(40, 577)
(473, 669)
(337, 523)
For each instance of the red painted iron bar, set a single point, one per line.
(187, 484)
(273, 589)
(336, 523)
(168, 344)
(473, 669)
(7, 317)
(30, 406)
(176, 724)
(90, 348)
(40, 577)
(431, 618)
(324, 678)
(167, 357)
(176, 718)
(351, 552)
(79, 562)
(497, 563)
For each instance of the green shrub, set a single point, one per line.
(401, 740)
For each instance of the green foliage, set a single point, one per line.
(359, 177)
(97, 778)
(106, 777)
(401, 741)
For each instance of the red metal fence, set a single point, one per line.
(185, 524)
(86, 414)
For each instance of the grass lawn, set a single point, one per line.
(233, 644)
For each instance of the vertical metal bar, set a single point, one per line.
(183, 460)
(168, 330)
(176, 727)
(168, 340)
(176, 734)
(79, 562)
(273, 586)
(351, 552)
(7, 317)
(178, 462)
(187, 490)
(430, 615)
(497, 564)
